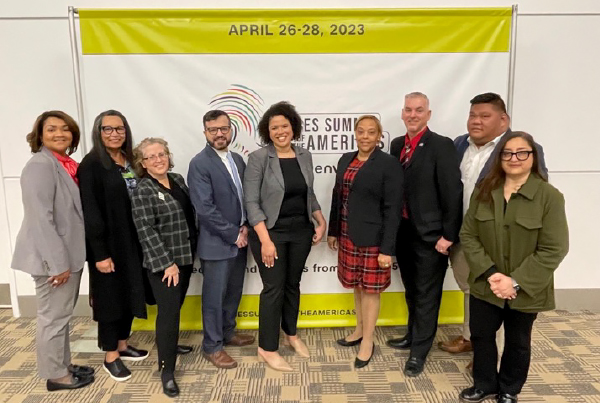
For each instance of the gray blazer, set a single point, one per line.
(264, 187)
(52, 238)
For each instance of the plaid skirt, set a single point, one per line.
(358, 266)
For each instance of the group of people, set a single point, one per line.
(482, 202)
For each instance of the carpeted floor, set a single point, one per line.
(565, 368)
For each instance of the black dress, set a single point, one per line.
(110, 232)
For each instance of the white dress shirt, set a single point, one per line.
(471, 166)
(223, 155)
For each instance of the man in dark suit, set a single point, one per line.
(488, 122)
(215, 180)
(431, 218)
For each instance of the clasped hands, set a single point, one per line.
(502, 286)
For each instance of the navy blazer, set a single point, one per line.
(218, 207)
(461, 143)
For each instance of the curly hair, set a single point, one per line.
(138, 155)
(286, 110)
(37, 133)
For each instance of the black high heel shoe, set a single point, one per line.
(348, 343)
(358, 363)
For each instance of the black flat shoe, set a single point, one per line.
(475, 395)
(346, 343)
(507, 398)
(81, 370)
(358, 363)
(133, 354)
(181, 349)
(117, 370)
(170, 387)
(78, 382)
(402, 343)
(414, 366)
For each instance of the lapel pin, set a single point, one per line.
(420, 144)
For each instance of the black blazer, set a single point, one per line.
(432, 187)
(110, 232)
(374, 203)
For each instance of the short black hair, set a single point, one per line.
(490, 98)
(286, 110)
(214, 115)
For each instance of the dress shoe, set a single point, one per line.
(240, 339)
(275, 361)
(220, 359)
(81, 370)
(506, 398)
(117, 370)
(455, 346)
(78, 382)
(402, 343)
(133, 354)
(298, 346)
(170, 387)
(181, 349)
(358, 363)
(414, 366)
(347, 343)
(473, 394)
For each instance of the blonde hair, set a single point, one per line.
(373, 118)
(138, 154)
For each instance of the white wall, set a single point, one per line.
(555, 99)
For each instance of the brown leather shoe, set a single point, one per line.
(240, 339)
(220, 359)
(458, 345)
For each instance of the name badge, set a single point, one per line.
(161, 196)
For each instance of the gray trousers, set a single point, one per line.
(54, 310)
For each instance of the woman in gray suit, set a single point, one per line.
(50, 245)
(281, 206)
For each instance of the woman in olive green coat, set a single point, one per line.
(514, 236)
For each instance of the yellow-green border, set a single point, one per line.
(127, 31)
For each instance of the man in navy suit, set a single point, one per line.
(488, 122)
(215, 180)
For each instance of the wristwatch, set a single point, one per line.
(516, 286)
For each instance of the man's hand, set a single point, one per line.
(502, 286)
(443, 245)
(242, 240)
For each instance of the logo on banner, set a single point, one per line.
(244, 107)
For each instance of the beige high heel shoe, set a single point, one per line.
(276, 362)
(298, 345)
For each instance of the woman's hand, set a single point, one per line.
(332, 242)
(60, 279)
(319, 233)
(384, 261)
(171, 275)
(268, 253)
(105, 266)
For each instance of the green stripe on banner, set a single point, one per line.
(295, 31)
(316, 310)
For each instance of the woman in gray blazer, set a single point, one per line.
(281, 205)
(50, 245)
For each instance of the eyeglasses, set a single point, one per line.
(215, 130)
(521, 155)
(156, 157)
(108, 130)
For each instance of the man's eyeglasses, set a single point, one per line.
(155, 157)
(214, 130)
(521, 155)
(108, 130)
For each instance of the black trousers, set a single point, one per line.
(109, 333)
(486, 319)
(168, 301)
(423, 270)
(280, 296)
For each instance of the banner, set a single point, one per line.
(165, 68)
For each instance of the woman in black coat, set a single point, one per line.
(117, 291)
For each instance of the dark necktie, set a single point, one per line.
(406, 157)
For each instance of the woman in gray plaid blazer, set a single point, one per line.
(165, 222)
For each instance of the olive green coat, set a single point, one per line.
(527, 243)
